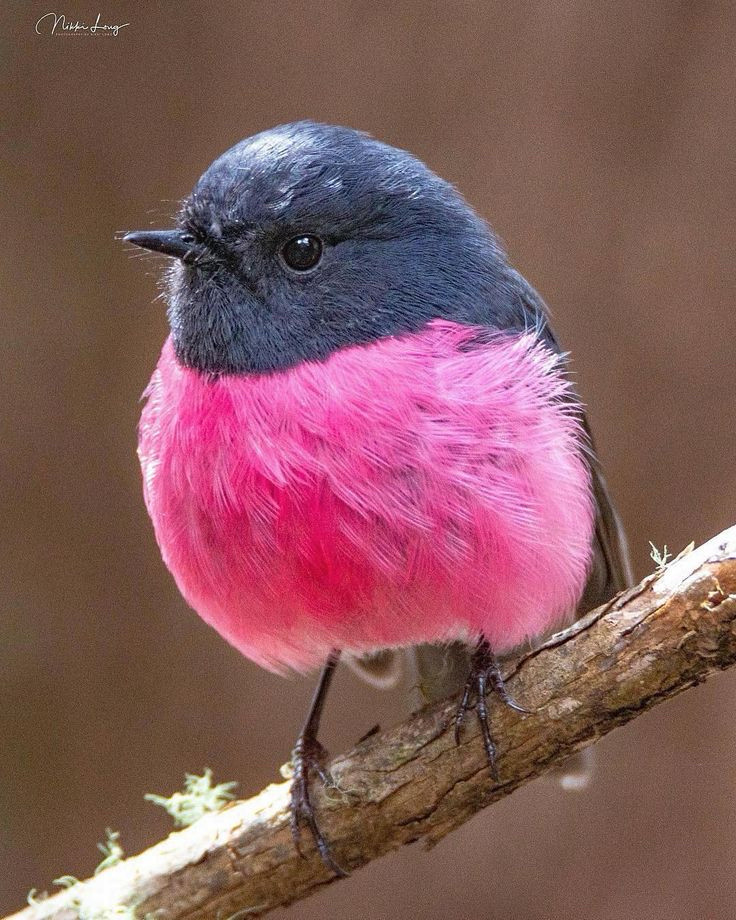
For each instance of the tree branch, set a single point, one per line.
(669, 633)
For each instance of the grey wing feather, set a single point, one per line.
(610, 570)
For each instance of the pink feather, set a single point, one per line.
(420, 488)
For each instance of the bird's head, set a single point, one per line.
(308, 238)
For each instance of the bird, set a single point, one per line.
(362, 435)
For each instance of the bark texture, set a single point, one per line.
(667, 634)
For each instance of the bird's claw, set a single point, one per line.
(309, 757)
(485, 674)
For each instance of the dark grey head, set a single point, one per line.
(307, 238)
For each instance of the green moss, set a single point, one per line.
(660, 559)
(198, 798)
(111, 850)
(66, 881)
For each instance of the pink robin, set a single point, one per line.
(361, 434)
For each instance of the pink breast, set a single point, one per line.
(421, 488)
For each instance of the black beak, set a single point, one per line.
(174, 243)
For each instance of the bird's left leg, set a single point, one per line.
(485, 674)
(309, 755)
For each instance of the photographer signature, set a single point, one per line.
(57, 24)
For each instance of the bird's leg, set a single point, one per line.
(309, 755)
(484, 671)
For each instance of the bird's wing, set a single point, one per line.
(610, 569)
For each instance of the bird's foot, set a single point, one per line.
(309, 757)
(485, 674)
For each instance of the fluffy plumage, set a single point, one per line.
(373, 447)
(426, 486)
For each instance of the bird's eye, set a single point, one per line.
(302, 252)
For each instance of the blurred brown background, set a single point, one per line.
(599, 141)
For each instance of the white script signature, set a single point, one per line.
(57, 24)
